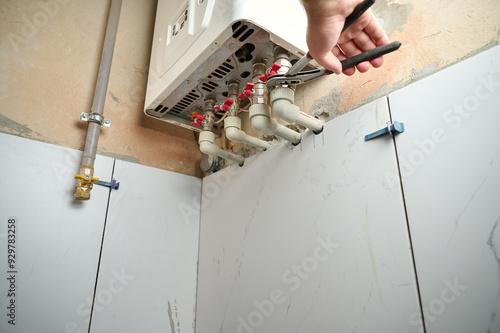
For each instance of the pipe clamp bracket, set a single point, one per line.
(95, 118)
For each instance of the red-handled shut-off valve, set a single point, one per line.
(272, 71)
(247, 92)
(224, 107)
(197, 119)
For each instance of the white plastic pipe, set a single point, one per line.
(208, 146)
(232, 126)
(260, 116)
(282, 99)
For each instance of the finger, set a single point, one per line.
(365, 43)
(369, 25)
(329, 61)
(341, 56)
(348, 38)
(350, 49)
(376, 33)
(356, 28)
(348, 71)
(321, 41)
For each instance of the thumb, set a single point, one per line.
(329, 61)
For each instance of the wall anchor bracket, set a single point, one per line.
(391, 129)
(95, 118)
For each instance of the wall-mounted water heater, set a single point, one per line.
(200, 46)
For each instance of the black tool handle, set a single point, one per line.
(357, 12)
(367, 56)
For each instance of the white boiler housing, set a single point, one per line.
(200, 45)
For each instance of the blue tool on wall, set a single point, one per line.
(391, 129)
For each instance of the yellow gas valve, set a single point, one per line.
(86, 179)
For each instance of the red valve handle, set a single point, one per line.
(247, 92)
(275, 67)
(197, 119)
(227, 103)
(224, 107)
(272, 71)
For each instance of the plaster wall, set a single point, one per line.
(50, 51)
(49, 60)
(434, 35)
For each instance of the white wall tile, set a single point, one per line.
(148, 272)
(58, 237)
(265, 220)
(450, 163)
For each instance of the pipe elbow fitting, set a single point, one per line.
(282, 99)
(284, 109)
(260, 117)
(208, 146)
(235, 134)
(264, 125)
(232, 126)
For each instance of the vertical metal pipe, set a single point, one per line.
(102, 83)
(84, 185)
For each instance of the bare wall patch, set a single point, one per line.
(392, 16)
(327, 107)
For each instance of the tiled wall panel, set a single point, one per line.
(57, 238)
(148, 272)
(450, 166)
(310, 239)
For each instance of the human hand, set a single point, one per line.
(328, 46)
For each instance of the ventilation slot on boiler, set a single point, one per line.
(223, 70)
(241, 32)
(161, 109)
(209, 86)
(184, 103)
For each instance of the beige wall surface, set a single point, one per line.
(49, 60)
(50, 51)
(434, 34)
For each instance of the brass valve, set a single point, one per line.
(84, 182)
